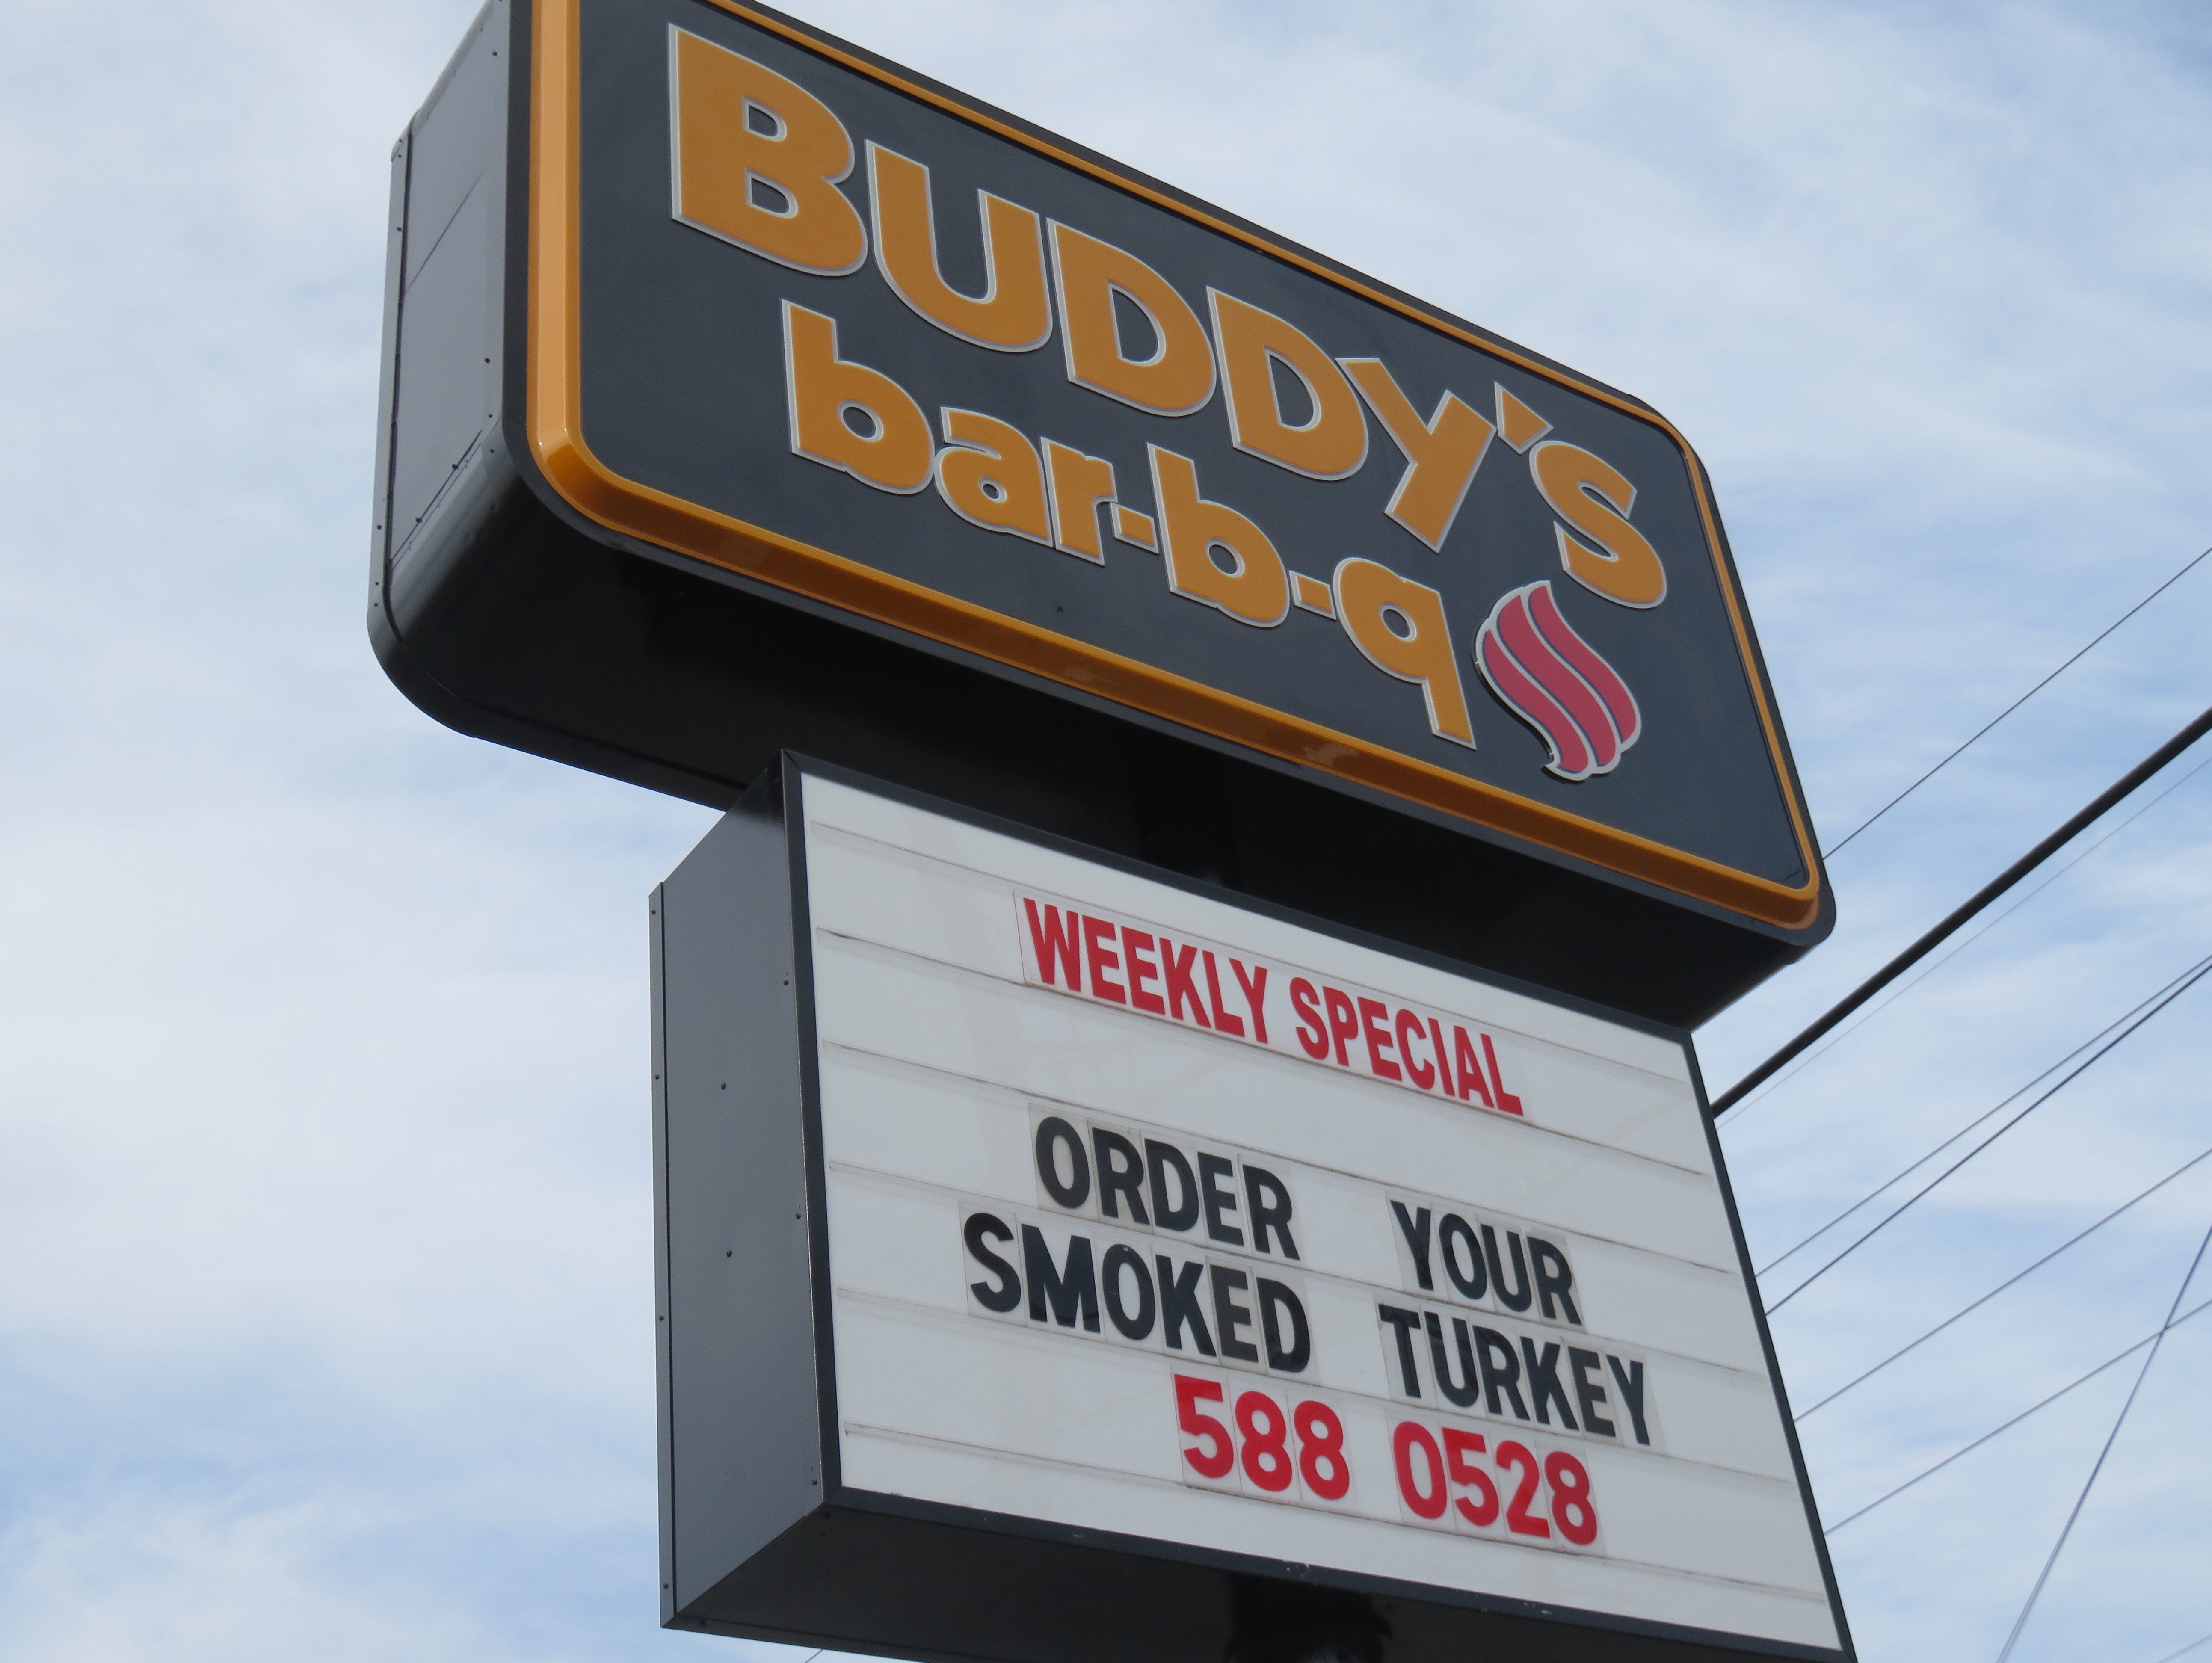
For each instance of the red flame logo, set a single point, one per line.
(1552, 679)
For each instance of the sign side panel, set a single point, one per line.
(1774, 1366)
(744, 1430)
(664, 1427)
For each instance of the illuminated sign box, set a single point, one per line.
(1048, 1248)
(747, 392)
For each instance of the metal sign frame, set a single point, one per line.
(761, 1537)
(524, 590)
(555, 420)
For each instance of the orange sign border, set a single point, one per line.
(554, 422)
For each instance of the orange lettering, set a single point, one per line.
(1257, 590)
(1442, 453)
(1012, 315)
(1369, 598)
(1592, 496)
(847, 417)
(757, 161)
(1178, 377)
(1330, 442)
(1078, 484)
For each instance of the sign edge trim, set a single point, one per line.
(554, 427)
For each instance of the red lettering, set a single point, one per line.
(1097, 938)
(1222, 1019)
(1464, 1064)
(1055, 941)
(1425, 1500)
(1571, 1510)
(1373, 1013)
(1307, 1003)
(1443, 1059)
(1458, 1445)
(1221, 1452)
(1255, 997)
(1329, 1475)
(1418, 1072)
(1266, 1455)
(1176, 962)
(1522, 1459)
(1141, 970)
(1506, 1100)
(1343, 1023)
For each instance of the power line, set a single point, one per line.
(1830, 853)
(2001, 1287)
(2186, 1649)
(2205, 967)
(2003, 1103)
(1808, 1060)
(1926, 1473)
(2110, 1438)
(2091, 812)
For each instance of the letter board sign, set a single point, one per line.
(778, 315)
(1046, 1247)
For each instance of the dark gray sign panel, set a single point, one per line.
(1060, 1262)
(767, 309)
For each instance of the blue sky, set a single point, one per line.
(324, 1233)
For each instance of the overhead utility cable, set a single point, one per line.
(2203, 968)
(2110, 1438)
(1836, 1037)
(1830, 853)
(2189, 1315)
(2091, 812)
(2201, 1640)
(1955, 1316)
(2003, 1103)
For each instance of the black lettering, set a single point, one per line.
(1267, 1201)
(1555, 1278)
(1405, 1322)
(1589, 1393)
(1008, 1292)
(1212, 1169)
(1522, 1296)
(1544, 1385)
(1053, 1134)
(1120, 1174)
(1278, 1301)
(1229, 1316)
(1161, 1159)
(1630, 1382)
(1455, 1236)
(1179, 1304)
(1464, 1391)
(1416, 1232)
(1120, 1257)
(1072, 1292)
(1501, 1370)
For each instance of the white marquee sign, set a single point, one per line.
(1154, 1215)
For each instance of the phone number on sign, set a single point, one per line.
(1447, 1477)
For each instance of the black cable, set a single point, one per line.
(2186, 1649)
(1925, 1473)
(2092, 811)
(2028, 1608)
(1989, 1113)
(2202, 970)
(2001, 1287)
(1830, 854)
(2091, 849)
